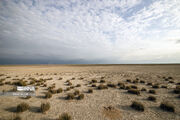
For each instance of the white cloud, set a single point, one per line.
(90, 30)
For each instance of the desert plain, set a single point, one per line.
(105, 91)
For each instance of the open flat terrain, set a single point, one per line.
(108, 91)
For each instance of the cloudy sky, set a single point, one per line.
(89, 31)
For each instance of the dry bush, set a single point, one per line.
(78, 85)
(22, 107)
(112, 85)
(71, 87)
(68, 88)
(64, 116)
(101, 86)
(52, 91)
(73, 78)
(102, 81)
(94, 81)
(134, 87)
(70, 96)
(45, 107)
(48, 95)
(60, 78)
(128, 80)
(20, 83)
(27, 97)
(135, 81)
(167, 107)
(142, 81)
(143, 89)
(127, 87)
(93, 85)
(163, 86)
(80, 97)
(8, 83)
(149, 84)
(134, 91)
(152, 98)
(59, 90)
(76, 92)
(69, 83)
(90, 90)
(171, 81)
(137, 106)
(152, 91)
(155, 86)
(122, 86)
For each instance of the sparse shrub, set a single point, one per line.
(102, 81)
(163, 86)
(80, 97)
(8, 82)
(32, 82)
(1, 83)
(142, 81)
(134, 91)
(134, 87)
(101, 86)
(71, 87)
(149, 84)
(111, 85)
(59, 90)
(128, 87)
(93, 85)
(135, 81)
(60, 78)
(171, 81)
(94, 81)
(53, 91)
(155, 86)
(76, 92)
(143, 89)
(68, 88)
(20, 83)
(22, 107)
(137, 106)
(152, 98)
(128, 80)
(177, 90)
(90, 90)
(45, 107)
(73, 78)
(70, 96)
(48, 95)
(167, 107)
(69, 83)
(64, 116)
(170, 77)
(78, 85)
(120, 84)
(152, 91)
(45, 85)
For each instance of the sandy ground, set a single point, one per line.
(93, 106)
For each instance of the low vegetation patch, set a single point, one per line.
(45, 107)
(78, 85)
(143, 89)
(142, 81)
(94, 81)
(102, 81)
(137, 106)
(134, 91)
(155, 86)
(134, 87)
(93, 85)
(80, 97)
(167, 107)
(152, 98)
(59, 90)
(70, 96)
(48, 95)
(101, 86)
(22, 107)
(65, 116)
(90, 90)
(163, 86)
(152, 91)
(128, 80)
(112, 85)
(76, 92)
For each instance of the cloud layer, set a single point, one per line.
(90, 31)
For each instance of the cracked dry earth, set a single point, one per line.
(106, 104)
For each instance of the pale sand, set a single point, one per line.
(92, 106)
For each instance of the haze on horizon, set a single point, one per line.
(89, 31)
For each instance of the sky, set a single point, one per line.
(89, 31)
